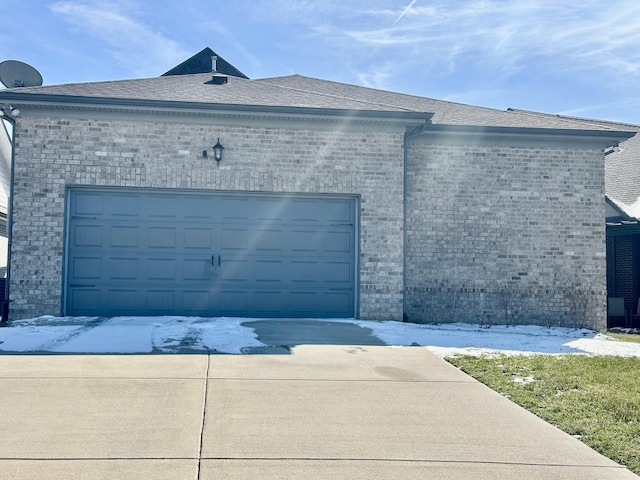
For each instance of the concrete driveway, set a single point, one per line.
(309, 408)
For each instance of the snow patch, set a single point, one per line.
(171, 334)
(523, 380)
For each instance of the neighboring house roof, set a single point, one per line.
(202, 62)
(614, 214)
(622, 176)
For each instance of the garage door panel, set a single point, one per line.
(307, 272)
(122, 268)
(85, 299)
(269, 303)
(234, 301)
(124, 236)
(234, 239)
(234, 208)
(161, 269)
(268, 270)
(87, 204)
(338, 303)
(122, 206)
(339, 273)
(161, 206)
(159, 302)
(209, 254)
(199, 209)
(269, 210)
(196, 301)
(305, 241)
(87, 236)
(305, 212)
(85, 268)
(232, 270)
(338, 212)
(124, 300)
(196, 268)
(198, 238)
(337, 241)
(305, 302)
(268, 240)
(162, 237)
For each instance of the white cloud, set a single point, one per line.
(233, 40)
(504, 35)
(130, 42)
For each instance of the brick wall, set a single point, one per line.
(505, 235)
(54, 153)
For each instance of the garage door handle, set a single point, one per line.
(215, 259)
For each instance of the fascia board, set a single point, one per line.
(30, 103)
(521, 137)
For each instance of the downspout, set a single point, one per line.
(407, 136)
(5, 304)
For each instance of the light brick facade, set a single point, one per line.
(505, 235)
(501, 226)
(53, 153)
(494, 234)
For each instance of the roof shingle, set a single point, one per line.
(301, 91)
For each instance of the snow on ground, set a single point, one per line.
(229, 335)
(465, 339)
(127, 335)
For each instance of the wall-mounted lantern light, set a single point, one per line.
(217, 151)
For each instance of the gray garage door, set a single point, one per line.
(140, 252)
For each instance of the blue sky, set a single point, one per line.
(556, 56)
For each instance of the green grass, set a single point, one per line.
(625, 337)
(597, 398)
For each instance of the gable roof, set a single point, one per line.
(289, 91)
(445, 112)
(193, 88)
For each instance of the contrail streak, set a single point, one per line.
(404, 12)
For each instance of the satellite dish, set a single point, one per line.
(17, 74)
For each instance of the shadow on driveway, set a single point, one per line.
(280, 335)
